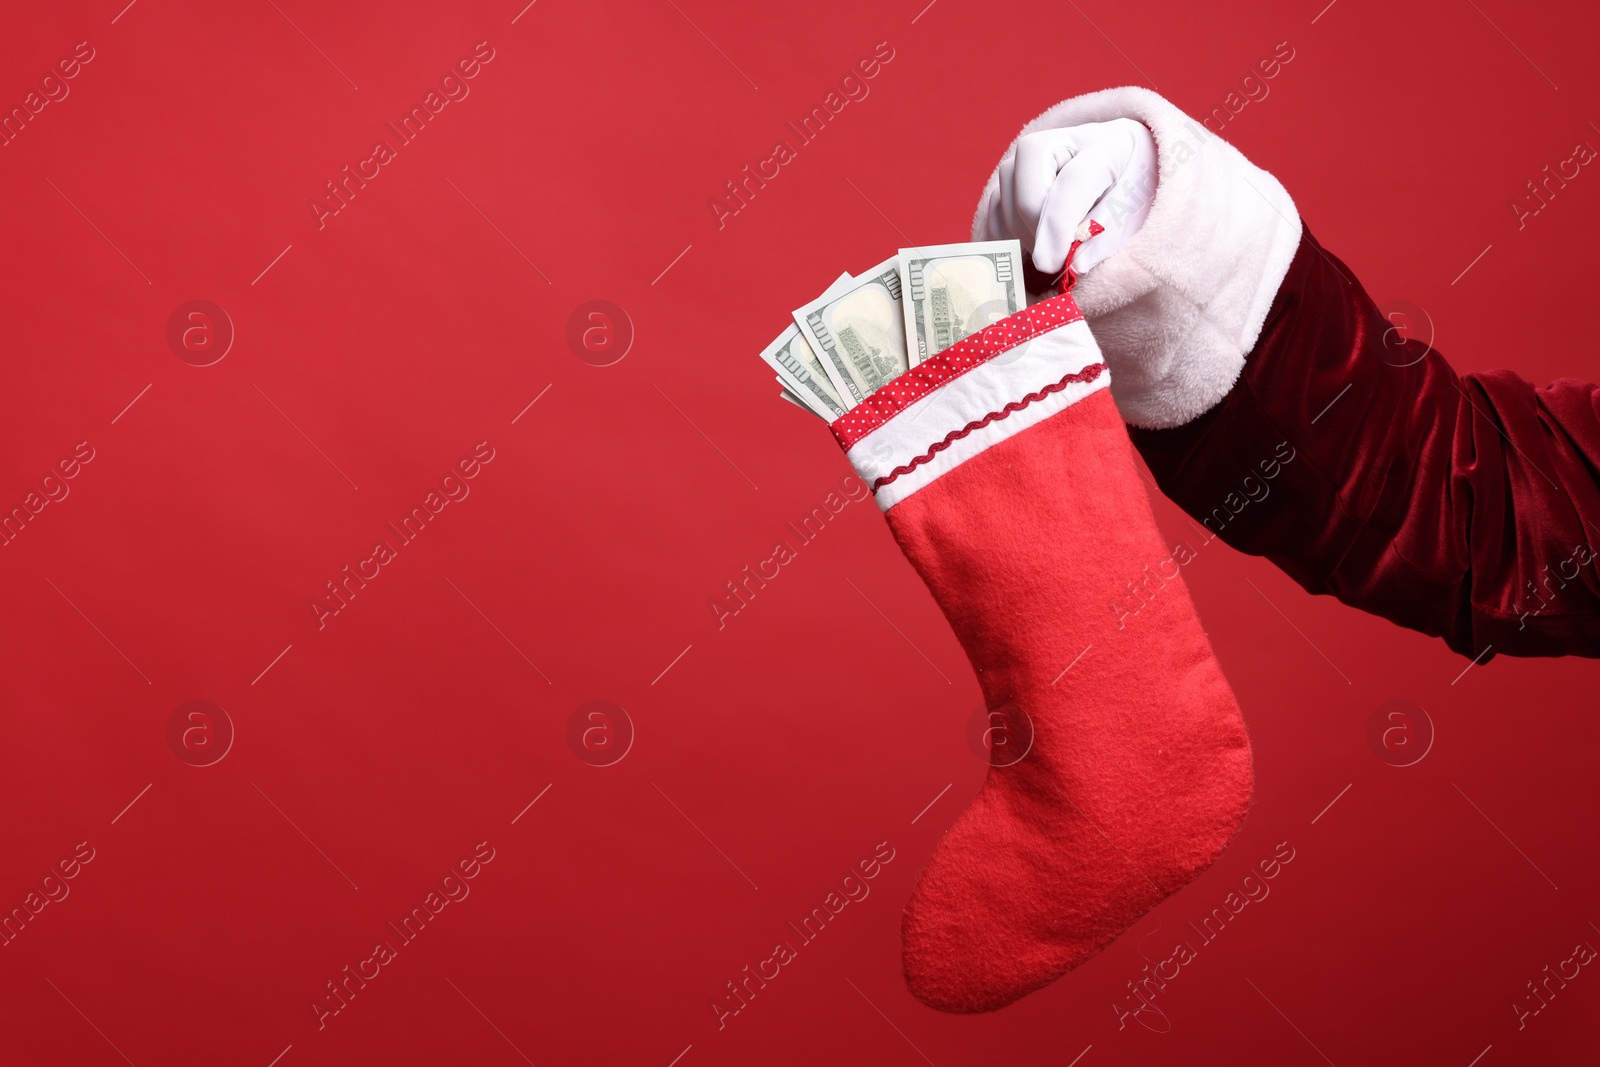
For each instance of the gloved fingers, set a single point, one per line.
(1099, 247)
(1080, 185)
(1056, 179)
(1039, 159)
(994, 225)
(1014, 211)
(1122, 210)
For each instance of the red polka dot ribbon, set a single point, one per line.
(944, 368)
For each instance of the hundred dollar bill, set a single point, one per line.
(859, 336)
(801, 374)
(798, 369)
(951, 291)
(820, 406)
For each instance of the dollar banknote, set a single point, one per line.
(859, 336)
(953, 291)
(799, 371)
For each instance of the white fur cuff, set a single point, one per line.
(1180, 305)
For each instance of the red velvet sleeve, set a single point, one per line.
(1362, 465)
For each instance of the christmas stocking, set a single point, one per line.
(1006, 475)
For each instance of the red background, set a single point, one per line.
(375, 753)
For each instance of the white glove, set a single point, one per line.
(1057, 181)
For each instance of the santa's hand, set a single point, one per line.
(1057, 181)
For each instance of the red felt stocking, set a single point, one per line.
(1008, 479)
